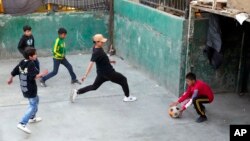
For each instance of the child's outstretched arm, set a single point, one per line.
(90, 66)
(14, 72)
(10, 80)
(112, 61)
(190, 102)
(42, 74)
(184, 96)
(174, 104)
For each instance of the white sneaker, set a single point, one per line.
(23, 128)
(73, 96)
(129, 99)
(35, 120)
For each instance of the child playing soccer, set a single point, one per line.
(59, 57)
(27, 40)
(105, 71)
(198, 93)
(28, 73)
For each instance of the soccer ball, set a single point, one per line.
(174, 111)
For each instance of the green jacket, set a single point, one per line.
(59, 49)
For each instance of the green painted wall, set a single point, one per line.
(151, 40)
(81, 27)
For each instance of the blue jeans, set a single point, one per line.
(57, 63)
(32, 110)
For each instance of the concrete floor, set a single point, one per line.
(102, 116)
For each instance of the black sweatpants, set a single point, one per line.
(198, 104)
(114, 77)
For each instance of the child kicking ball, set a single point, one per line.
(105, 71)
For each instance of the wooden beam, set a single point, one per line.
(241, 5)
(1, 6)
(49, 7)
(219, 12)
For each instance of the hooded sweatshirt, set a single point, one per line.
(27, 72)
(25, 41)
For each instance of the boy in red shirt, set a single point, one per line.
(198, 93)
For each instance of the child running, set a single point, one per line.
(59, 57)
(105, 71)
(28, 73)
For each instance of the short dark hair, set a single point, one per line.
(26, 27)
(191, 76)
(62, 30)
(29, 51)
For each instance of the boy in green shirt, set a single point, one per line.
(59, 52)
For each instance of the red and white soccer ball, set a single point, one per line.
(174, 111)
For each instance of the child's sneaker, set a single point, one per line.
(201, 119)
(35, 120)
(43, 83)
(129, 99)
(23, 128)
(76, 81)
(73, 96)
